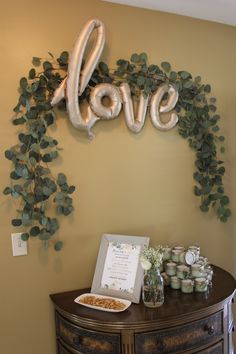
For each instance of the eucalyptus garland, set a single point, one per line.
(198, 121)
(31, 179)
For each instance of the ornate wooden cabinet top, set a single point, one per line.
(178, 308)
(197, 323)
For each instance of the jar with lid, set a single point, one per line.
(171, 268)
(182, 271)
(175, 283)
(197, 270)
(175, 255)
(187, 286)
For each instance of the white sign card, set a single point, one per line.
(121, 266)
(118, 270)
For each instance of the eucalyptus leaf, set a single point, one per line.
(135, 58)
(49, 118)
(61, 179)
(222, 149)
(58, 246)
(166, 66)
(224, 200)
(44, 220)
(221, 138)
(36, 61)
(34, 231)
(184, 75)
(16, 222)
(24, 236)
(204, 208)
(32, 73)
(46, 158)
(47, 191)
(9, 154)
(143, 57)
(63, 59)
(71, 189)
(207, 88)
(103, 68)
(54, 154)
(19, 121)
(47, 65)
(173, 75)
(140, 81)
(14, 175)
(23, 83)
(7, 190)
(153, 69)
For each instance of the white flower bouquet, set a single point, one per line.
(152, 257)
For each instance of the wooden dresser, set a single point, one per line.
(187, 323)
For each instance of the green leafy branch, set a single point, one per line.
(31, 178)
(198, 121)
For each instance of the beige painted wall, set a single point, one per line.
(129, 184)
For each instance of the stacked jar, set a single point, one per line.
(185, 269)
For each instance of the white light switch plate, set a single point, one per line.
(19, 247)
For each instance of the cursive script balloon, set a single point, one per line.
(77, 80)
(134, 124)
(157, 108)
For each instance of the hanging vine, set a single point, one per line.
(198, 121)
(31, 179)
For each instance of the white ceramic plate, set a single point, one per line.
(126, 303)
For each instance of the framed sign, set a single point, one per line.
(118, 271)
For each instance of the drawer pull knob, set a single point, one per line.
(209, 329)
(233, 329)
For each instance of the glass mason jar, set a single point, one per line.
(153, 288)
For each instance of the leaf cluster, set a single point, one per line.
(141, 77)
(199, 124)
(31, 179)
(198, 120)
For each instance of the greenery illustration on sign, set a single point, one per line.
(31, 179)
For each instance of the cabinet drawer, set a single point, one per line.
(177, 339)
(86, 341)
(214, 349)
(61, 349)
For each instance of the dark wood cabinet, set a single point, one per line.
(186, 323)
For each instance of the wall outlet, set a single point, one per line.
(19, 247)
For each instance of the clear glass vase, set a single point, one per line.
(153, 288)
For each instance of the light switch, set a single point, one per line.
(19, 247)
